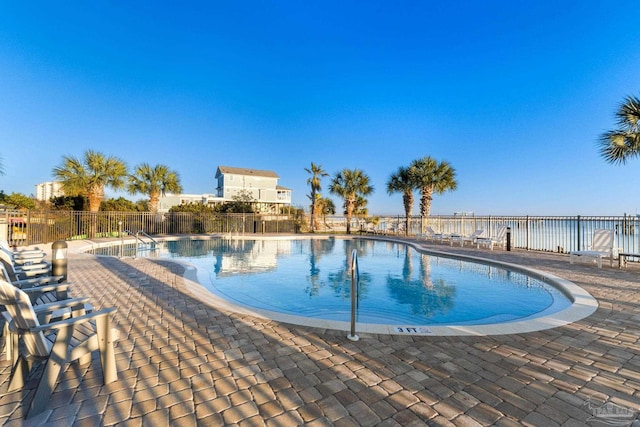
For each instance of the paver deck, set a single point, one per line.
(184, 363)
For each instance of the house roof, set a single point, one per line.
(244, 171)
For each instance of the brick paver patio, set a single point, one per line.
(184, 363)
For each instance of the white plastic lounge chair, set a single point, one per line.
(18, 273)
(442, 237)
(456, 238)
(23, 271)
(464, 239)
(398, 229)
(435, 236)
(23, 256)
(5, 244)
(31, 282)
(371, 228)
(22, 260)
(602, 246)
(500, 239)
(473, 238)
(56, 343)
(428, 234)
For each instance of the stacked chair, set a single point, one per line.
(43, 325)
(24, 264)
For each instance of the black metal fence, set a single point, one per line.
(539, 233)
(40, 227)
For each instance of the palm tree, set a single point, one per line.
(349, 184)
(90, 177)
(617, 146)
(360, 207)
(325, 207)
(155, 182)
(317, 173)
(432, 177)
(403, 182)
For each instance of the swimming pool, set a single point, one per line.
(401, 287)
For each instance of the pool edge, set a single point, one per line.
(583, 304)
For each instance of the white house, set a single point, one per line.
(261, 185)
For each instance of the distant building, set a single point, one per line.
(46, 190)
(261, 185)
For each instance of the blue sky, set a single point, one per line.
(513, 94)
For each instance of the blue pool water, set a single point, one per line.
(398, 284)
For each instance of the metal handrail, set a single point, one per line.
(139, 241)
(122, 242)
(355, 288)
(146, 235)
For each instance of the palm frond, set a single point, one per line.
(618, 147)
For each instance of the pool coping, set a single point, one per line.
(583, 304)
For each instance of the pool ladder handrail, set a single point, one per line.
(139, 241)
(355, 288)
(146, 235)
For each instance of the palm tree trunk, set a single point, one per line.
(349, 215)
(425, 201)
(96, 194)
(154, 200)
(314, 210)
(407, 199)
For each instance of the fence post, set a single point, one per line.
(27, 229)
(578, 225)
(508, 238)
(4, 228)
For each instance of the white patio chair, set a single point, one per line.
(500, 239)
(471, 238)
(41, 290)
(23, 256)
(426, 235)
(29, 282)
(29, 269)
(456, 238)
(441, 237)
(56, 343)
(602, 246)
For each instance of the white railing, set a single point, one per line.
(537, 233)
